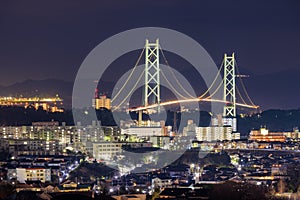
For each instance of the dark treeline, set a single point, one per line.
(19, 116)
(274, 120)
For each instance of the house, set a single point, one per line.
(130, 197)
(72, 187)
(161, 182)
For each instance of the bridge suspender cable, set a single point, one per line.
(180, 85)
(177, 81)
(216, 90)
(244, 88)
(214, 81)
(185, 99)
(163, 74)
(239, 93)
(130, 75)
(130, 92)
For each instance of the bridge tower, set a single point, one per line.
(229, 112)
(152, 82)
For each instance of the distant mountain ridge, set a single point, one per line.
(279, 90)
(276, 90)
(40, 88)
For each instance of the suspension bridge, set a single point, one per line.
(153, 73)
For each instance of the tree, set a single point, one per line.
(298, 192)
(6, 189)
(281, 187)
(293, 172)
(155, 193)
(236, 191)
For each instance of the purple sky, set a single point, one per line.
(50, 38)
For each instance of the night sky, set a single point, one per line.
(50, 39)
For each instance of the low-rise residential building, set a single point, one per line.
(72, 187)
(30, 174)
(264, 135)
(279, 169)
(144, 131)
(106, 150)
(160, 141)
(161, 182)
(215, 133)
(30, 147)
